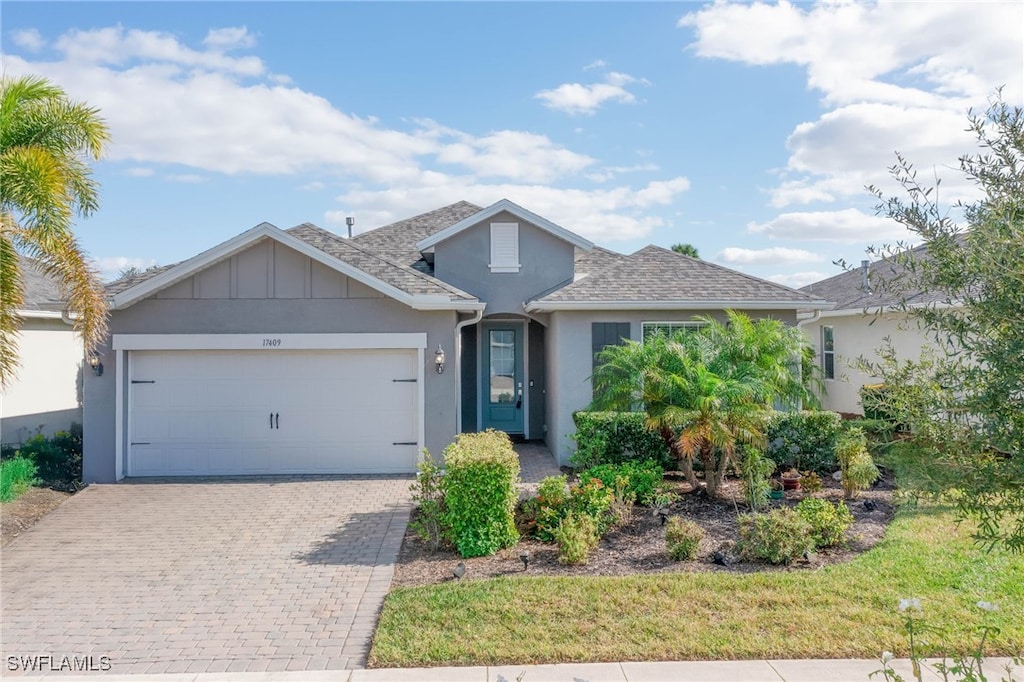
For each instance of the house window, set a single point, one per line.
(828, 354)
(505, 247)
(668, 329)
(604, 334)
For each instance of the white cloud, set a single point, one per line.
(139, 172)
(799, 279)
(231, 38)
(212, 113)
(314, 186)
(777, 255)
(30, 39)
(190, 178)
(894, 76)
(606, 215)
(610, 172)
(112, 266)
(848, 226)
(596, 64)
(577, 98)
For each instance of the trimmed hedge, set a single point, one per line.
(642, 478)
(615, 437)
(481, 470)
(804, 440)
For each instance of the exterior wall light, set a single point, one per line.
(97, 366)
(439, 359)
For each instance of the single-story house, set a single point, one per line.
(866, 313)
(301, 351)
(46, 393)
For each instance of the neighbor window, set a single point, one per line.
(669, 329)
(828, 352)
(505, 247)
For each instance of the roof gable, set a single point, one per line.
(656, 278)
(377, 273)
(493, 210)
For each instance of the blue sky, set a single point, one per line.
(748, 130)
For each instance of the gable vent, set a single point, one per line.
(504, 247)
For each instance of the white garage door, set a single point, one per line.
(198, 413)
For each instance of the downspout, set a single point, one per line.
(477, 316)
(800, 323)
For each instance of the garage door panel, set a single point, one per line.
(208, 412)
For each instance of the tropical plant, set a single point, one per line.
(686, 249)
(682, 538)
(855, 463)
(44, 182)
(757, 471)
(705, 391)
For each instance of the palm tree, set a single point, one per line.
(686, 249)
(45, 140)
(706, 392)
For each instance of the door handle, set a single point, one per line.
(277, 420)
(271, 420)
(519, 398)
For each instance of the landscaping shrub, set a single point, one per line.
(16, 476)
(778, 537)
(757, 471)
(642, 478)
(804, 440)
(428, 522)
(614, 437)
(828, 521)
(877, 403)
(549, 507)
(811, 482)
(859, 470)
(480, 492)
(577, 535)
(682, 538)
(592, 498)
(58, 459)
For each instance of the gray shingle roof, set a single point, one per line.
(398, 240)
(42, 291)
(848, 292)
(596, 260)
(119, 285)
(654, 274)
(396, 274)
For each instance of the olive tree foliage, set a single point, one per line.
(962, 402)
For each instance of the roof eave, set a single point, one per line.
(553, 306)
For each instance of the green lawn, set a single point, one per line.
(17, 475)
(840, 611)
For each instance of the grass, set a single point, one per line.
(840, 611)
(16, 476)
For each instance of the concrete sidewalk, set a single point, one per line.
(841, 670)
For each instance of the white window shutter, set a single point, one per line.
(505, 247)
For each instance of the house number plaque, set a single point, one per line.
(271, 343)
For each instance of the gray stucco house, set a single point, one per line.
(300, 351)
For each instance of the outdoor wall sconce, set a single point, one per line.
(97, 366)
(439, 359)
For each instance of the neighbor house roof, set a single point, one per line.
(654, 278)
(42, 291)
(849, 290)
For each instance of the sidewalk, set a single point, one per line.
(842, 670)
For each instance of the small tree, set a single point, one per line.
(964, 405)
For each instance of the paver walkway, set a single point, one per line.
(199, 576)
(535, 464)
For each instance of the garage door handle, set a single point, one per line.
(405, 442)
(277, 420)
(271, 420)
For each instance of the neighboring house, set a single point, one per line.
(299, 351)
(45, 395)
(865, 314)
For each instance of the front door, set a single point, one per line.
(501, 364)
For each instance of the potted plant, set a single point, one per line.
(775, 492)
(790, 480)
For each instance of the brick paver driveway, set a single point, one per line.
(206, 576)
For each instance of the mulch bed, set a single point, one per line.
(21, 514)
(639, 546)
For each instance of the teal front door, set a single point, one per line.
(501, 390)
